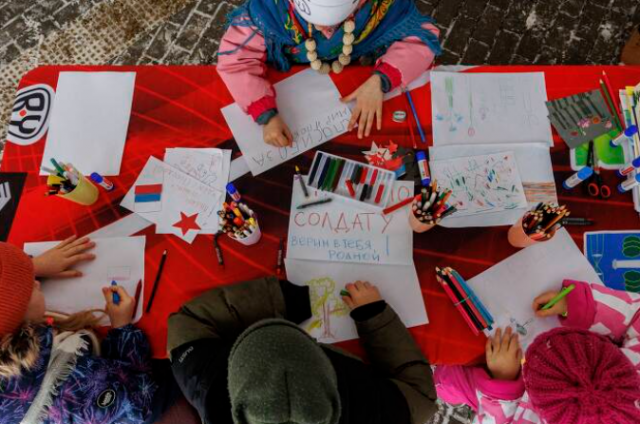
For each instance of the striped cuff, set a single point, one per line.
(260, 106)
(390, 76)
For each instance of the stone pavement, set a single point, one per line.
(38, 32)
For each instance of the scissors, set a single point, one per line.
(596, 187)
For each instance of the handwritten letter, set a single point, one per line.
(310, 105)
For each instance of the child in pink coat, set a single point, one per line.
(582, 373)
(327, 34)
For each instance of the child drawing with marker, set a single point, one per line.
(327, 35)
(240, 356)
(586, 371)
(53, 368)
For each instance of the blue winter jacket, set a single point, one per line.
(116, 387)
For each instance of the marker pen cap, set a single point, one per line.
(629, 184)
(578, 177)
(231, 189)
(626, 135)
(96, 178)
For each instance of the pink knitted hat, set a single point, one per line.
(579, 377)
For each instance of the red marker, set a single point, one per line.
(399, 205)
(349, 185)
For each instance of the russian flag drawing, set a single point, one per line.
(147, 197)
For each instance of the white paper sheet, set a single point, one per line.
(90, 120)
(207, 165)
(331, 323)
(309, 103)
(508, 289)
(118, 258)
(489, 108)
(341, 231)
(536, 173)
(185, 200)
(481, 184)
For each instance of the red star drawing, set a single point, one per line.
(187, 223)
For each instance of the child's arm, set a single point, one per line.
(241, 65)
(495, 394)
(391, 349)
(603, 310)
(405, 61)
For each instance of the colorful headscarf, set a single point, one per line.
(379, 23)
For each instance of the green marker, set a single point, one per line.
(344, 293)
(558, 297)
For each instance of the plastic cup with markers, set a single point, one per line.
(66, 182)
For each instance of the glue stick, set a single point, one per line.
(626, 135)
(423, 166)
(629, 169)
(102, 181)
(577, 178)
(629, 184)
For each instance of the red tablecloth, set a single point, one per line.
(180, 106)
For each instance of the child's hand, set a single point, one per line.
(122, 313)
(369, 97)
(56, 262)
(559, 308)
(361, 293)
(276, 133)
(504, 355)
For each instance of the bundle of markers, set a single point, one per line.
(542, 222)
(237, 220)
(63, 179)
(465, 300)
(431, 205)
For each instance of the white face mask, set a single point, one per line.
(325, 12)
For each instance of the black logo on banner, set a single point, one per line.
(30, 115)
(11, 185)
(106, 398)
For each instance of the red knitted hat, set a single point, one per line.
(579, 377)
(16, 285)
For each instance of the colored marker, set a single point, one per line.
(629, 169)
(577, 178)
(233, 192)
(102, 181)
(217, 248)
(314, 168)
(577, 221)
(399, 205)
(116, 296)
(280, 255)
(302, 184)
(625, 136)
(317, 202)
(629, 184)
(423, 166)
(558, 297)
(345, 293)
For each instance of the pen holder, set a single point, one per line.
(85, 192)
(251, 239)
(518, 238)
(418, 226)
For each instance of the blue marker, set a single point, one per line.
(423, 166)
(233, 192)
(116, 296)
(626, 135)
(629, 184)
(577, 178)
(629, 169)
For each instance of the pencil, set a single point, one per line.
(558, 297)
(607, 83)
(415, 115)
(155, 283)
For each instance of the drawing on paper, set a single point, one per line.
(451, 117)
(481, 184)
(119, 273)
(615, 256)
(326, 305)
(520, 328)
(204, 167)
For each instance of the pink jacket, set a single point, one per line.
(593, 307)
(244, 70)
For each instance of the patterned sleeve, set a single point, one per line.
(128, 344)
(612, 313)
